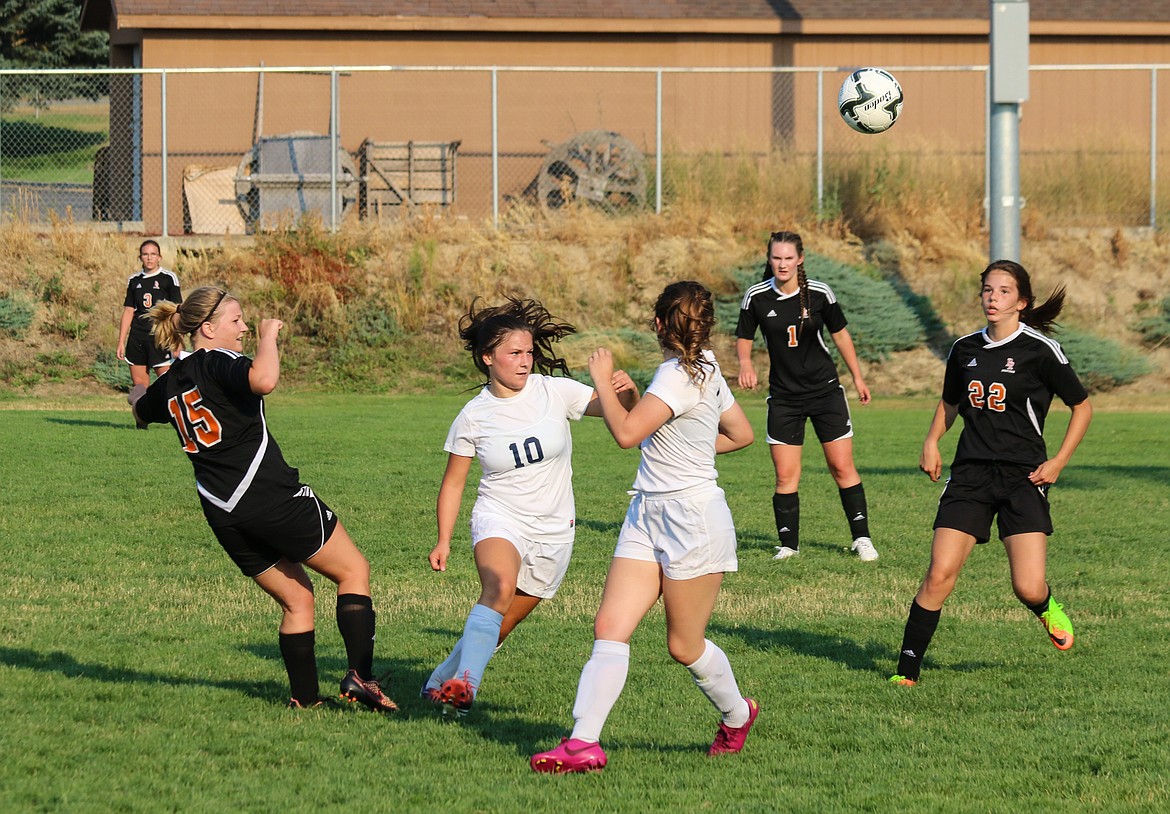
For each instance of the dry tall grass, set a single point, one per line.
(919, 221)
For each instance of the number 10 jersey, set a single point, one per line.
(525, 450)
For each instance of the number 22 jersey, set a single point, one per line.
(1003, 390)
(525, 450)
(239, 469)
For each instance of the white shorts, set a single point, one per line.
(543, 562)
(688, 533)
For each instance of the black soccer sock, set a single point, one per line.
(853, 502)
(920, 625)
(786, 508)
(1042, 606)
(355, 620)
(300, 661)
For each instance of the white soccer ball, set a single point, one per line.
(870, 100)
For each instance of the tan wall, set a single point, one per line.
(212, 117)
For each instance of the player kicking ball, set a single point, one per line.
(1001, 380)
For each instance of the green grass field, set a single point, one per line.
(56, 146)
(139, 672)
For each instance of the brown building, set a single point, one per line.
(213, 119)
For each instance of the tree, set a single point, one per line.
(47, 34)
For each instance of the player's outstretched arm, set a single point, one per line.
(629, 427)
(265, 372)
(844, 342)
(447, 508)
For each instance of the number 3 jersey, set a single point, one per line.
(1004, 390)
(239, 469)
(525, 450)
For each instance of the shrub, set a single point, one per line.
(1155, 329)
(1102, 363)
(111, 371)
(16, 315)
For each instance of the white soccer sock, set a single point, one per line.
(447, 669)
(601, 683)
(480, 635)
(712, 673)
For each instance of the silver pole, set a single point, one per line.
(820, 143)
(163, 151)
(658, 146)
(333, 150)
(1005, 182)
(1153, 148)
(495, 153)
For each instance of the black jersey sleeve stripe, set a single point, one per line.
(1052, 344)
(758, 288)
(817, 285)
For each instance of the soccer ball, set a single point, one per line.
(870, 100)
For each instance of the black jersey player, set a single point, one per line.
(267, 521)
(1001, 380)
(791, 311)
(144, 290)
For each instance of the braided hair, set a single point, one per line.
(482, 329)
(792, 239)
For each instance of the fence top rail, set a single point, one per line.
(328, 69)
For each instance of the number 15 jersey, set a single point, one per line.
(1003, 390)
(239, 469)
(525, 450)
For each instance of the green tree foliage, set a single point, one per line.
(47, 34)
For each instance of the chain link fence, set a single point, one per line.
(234, 151)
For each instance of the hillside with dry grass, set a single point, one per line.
(375, 308)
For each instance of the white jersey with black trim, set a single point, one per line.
(525, 450)
(681, 453)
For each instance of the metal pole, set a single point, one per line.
(495, 153)
(1005, 182)
(163, 151)
(333, 150)
(658, 146)
(820, 143)
(1153, 148)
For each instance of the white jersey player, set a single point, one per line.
(678, 538)
(522, 525)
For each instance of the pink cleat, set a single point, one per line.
(570, 756)
(728, 739)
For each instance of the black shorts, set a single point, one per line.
(294, 530)
(142, 350)
(829, 413)
(977, 491)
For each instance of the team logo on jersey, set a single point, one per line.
(1009, 366)
(156, 285)
(804, 313)
(972, 363)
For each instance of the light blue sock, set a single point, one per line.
(480, 635)
(447, 669)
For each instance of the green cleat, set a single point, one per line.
(902, 681)
(1058, 625)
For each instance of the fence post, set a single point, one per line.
(658, 145)
(495, 152)
(820, 143)
(1153, 148)
(333, 150)
(163, 153)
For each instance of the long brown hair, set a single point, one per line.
(170, 323)
(1042, 317)
(686, 313)
(793, 239)
(482, 329)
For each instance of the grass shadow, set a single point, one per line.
(91, 422)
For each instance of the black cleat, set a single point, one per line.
(368, 693)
